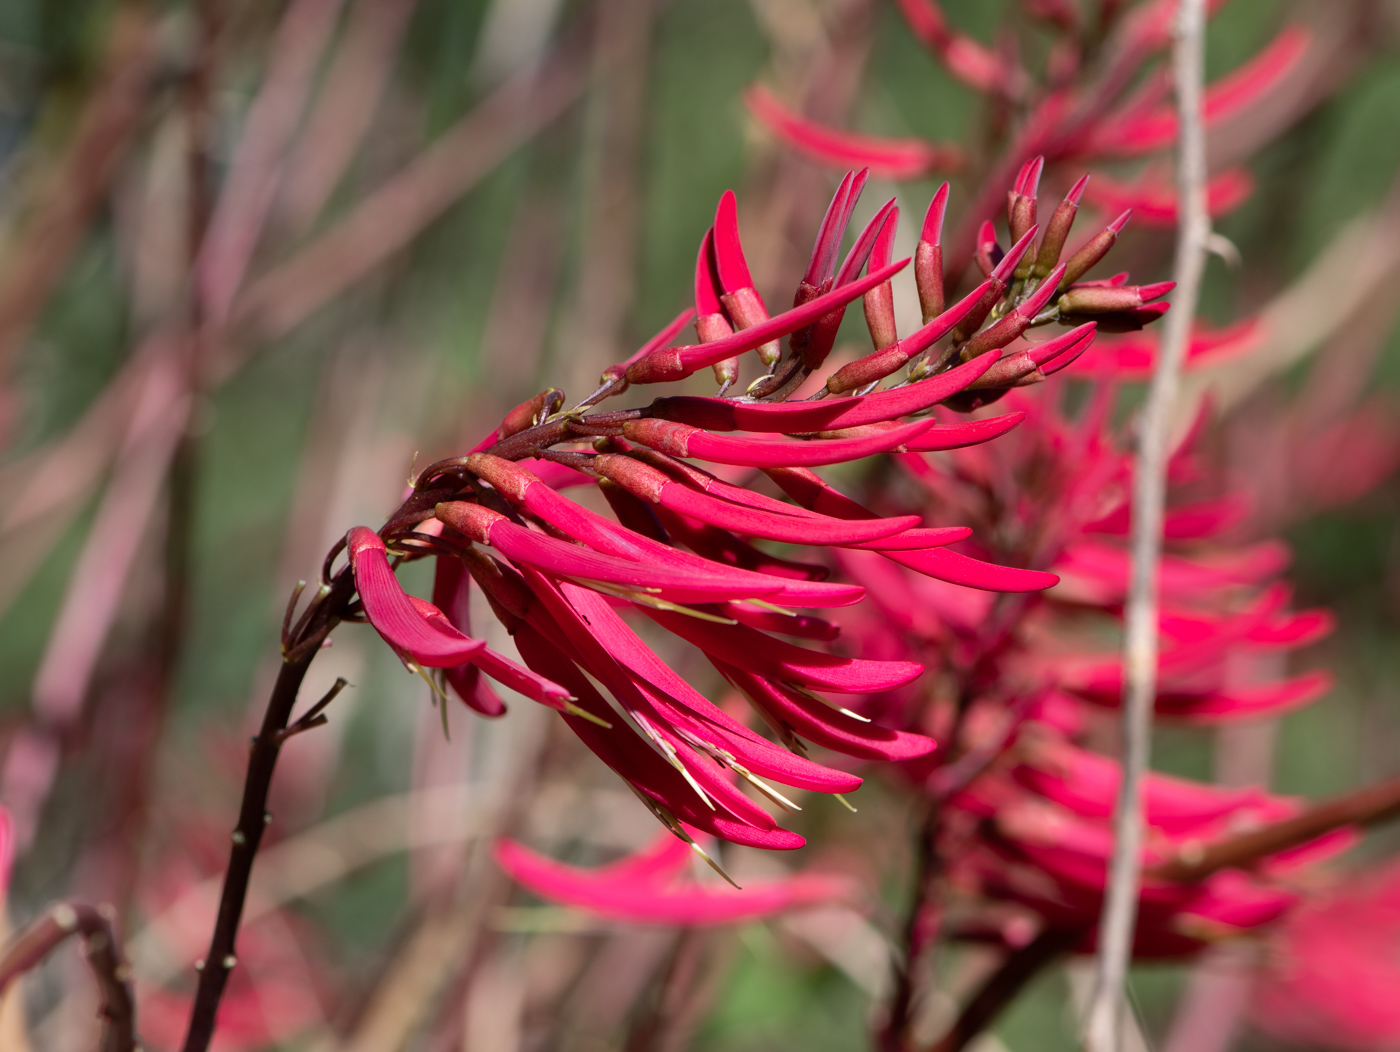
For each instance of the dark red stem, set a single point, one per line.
(100, 947)
(253, 815)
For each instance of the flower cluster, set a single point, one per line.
(1098, 99)
(680, 548)
(1025, 806)
(1326, 981)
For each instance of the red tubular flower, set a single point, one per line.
(975, 65)
(890, 158)
(425, 636)
(1028, 842)
(1072, 117)
(741, 300)
(684, 547)
(452, 595)
(647, 888)
(928, 257)
(1231, 95)
(1330, 975)
(676, 363)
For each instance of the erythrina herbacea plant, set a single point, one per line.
(938, 647)
(944, 608)
(679, 551)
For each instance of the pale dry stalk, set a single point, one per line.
(1104, 1019)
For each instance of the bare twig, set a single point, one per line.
(253, 815)
(316, 715)
(103, 953)
(1368, 806)
(1019, 968)
(1105, 1014)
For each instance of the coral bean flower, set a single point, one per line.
(684, 547)
(649, 887)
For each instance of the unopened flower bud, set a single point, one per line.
(928, 257)
(740, 298)
(989, 253)
(879, 301)
(1057, 230)
(531, 412)
(1108, 299)
(1094, 250)
(1000, 279)
(1021, 210)
(1011, 326)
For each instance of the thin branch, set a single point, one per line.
(103, 953)
(1369, 806)
(316, 715)
(917, 933)
(253, 815)
(1019, 968)
(1105, 1014)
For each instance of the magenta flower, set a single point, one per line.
(684, 548)
(419, 632)
(1330, 974)
(649, 887)
(1068, 119)
(907, 158)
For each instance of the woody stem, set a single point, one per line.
(1019, 968)
(1104, 1017)
(918, 932)
(99, 942)
(253, 815)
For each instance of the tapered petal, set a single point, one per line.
(956, 436)
(761, 452)
(891, 158)
(520, 679)
(646, 482)
(721, 414)
(974, 573)
(676, 363)
(822, 724)
(617, 893)
(570, 560)
(429, 641)
(659, 783)
(745, 648)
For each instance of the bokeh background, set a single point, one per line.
(472, 200)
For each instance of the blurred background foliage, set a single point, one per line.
(493, 301)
